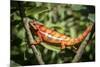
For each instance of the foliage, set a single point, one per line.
(64, 18)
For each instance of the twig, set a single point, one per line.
(31, 41)
(28, 32)
(83, 45)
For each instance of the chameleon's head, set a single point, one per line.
(35, 24)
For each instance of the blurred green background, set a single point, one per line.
(69, 19)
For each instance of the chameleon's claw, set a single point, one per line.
(74, 47)
(62, 45)
(36, 42)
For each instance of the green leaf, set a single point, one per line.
(77, 7)
(92, 17)
(35, 10)
(87, 48)
(21, 33)
(51, 47)
(23, 46)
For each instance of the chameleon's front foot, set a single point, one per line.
(37, 42)
(62, 45)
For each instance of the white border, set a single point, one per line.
(5, 32)
(67, 65)
(86, 2)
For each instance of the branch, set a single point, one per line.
(31, 41)
(80, 51)
(28, 32)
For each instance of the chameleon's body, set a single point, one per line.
(52, 36)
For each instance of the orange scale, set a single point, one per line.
(43, 28)
(63, 36)
(48, 31)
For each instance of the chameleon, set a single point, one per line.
(51, 36)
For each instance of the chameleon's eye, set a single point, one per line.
(33, 23)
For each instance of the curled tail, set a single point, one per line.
(73, 41)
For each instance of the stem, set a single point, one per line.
(28, 32)
(83, 45)
(31, 41)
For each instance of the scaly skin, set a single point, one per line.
(47, 35)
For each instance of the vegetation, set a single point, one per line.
(70, 19)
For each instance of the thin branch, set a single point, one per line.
(31, 41)
(28, 32)
(80, 51)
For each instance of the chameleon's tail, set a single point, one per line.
(79, 39)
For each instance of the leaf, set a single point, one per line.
(23, 46)
(35, 10)
(16, 16)
(21, 33)
(77, 7)
(51, 47)
(92, 17)
(87, 48)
